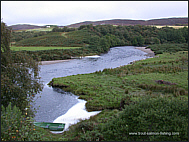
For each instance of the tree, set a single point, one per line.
(56, 29)
(140, 40)
(162, 35)
(134, 42)
(82, 27)
(103, 44)
(156, 40)
(19, 74)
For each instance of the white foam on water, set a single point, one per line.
(47, 86)
(94, 56)
(75, 114)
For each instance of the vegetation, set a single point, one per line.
(19, 84)
(51, 39)
(58, 54)
(132, 101)
(170, 48)
(18, 36)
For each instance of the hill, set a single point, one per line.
(57, 39)
(122, 22)
(160, 22)
(25, 27)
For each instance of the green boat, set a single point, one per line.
(50, 126)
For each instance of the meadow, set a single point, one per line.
(36, 30)
(175, 27)
(15, 48)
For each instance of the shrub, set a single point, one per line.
(150, 115)
(17, 127)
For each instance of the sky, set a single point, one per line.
(64, 13)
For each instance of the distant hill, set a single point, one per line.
(160, 22)
(25, 27)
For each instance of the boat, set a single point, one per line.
(50, 126)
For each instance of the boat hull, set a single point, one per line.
(50, 126)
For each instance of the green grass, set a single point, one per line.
(36, 30)
(14, 48)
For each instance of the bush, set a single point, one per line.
(17, 127)
(150, 115)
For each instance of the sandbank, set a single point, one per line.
(52, 62)
(149, 51)
(58, 61)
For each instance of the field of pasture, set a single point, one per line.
(175, 27)
(14, 48)
(36, 30)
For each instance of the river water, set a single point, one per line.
(55, 104)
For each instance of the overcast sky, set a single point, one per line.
(69, 12)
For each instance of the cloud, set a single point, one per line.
(69, 12)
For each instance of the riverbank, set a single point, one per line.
(122, 80)
(59, 61)
(112, 89)
(149, 51)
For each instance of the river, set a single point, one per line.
(55, 104)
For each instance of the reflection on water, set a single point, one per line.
(55, 102)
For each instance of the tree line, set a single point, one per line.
(107, 36)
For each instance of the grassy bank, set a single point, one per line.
(148, 96)
(105, 89)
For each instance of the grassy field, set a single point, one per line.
(132, 101)
(175, 27)
(36, 30)
(14, 48)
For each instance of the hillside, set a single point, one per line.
(160, 22)
(164, 21)
(51, 39)
(25, 27)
